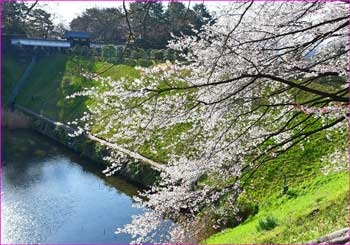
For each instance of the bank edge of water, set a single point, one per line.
(15, 120)
(136, 171)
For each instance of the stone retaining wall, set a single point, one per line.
(337, 237)
(136, 168)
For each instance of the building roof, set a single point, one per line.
(78, 34)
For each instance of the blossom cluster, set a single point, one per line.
(232, 100)
(336, 162)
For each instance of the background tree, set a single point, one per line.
(150, 23)
(203, 16)
(179, 19)
(23, 19)
(107, 25)
(13, 18)
(40, 23)
(59, 31)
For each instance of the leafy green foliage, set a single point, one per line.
(150, 22)
(109, 52)
(20, 18)
(266, 223)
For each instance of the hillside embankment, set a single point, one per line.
(315, 204)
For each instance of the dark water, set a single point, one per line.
(50, 195)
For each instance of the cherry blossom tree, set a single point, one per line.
(254, 84)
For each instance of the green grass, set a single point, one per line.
(297, 165)
(11, 73)
(312, 209)
(314, 205)
(116, 71)
(55, 77)
(42, 90)
(309, 210)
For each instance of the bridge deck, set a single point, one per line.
(40, 42)
(49, 43)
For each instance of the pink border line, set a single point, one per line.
(348, 136)
(223, 1)
(348, 115)
(0, 121)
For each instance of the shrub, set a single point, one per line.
(152, 54)
(127, 53)
(148, 53)
(76, 50)
(97, 52)
(85, 51)
(114, 60)
(134, 54)
(108, 51)
(145, 62)
(119, 52)
(169, 54)
(158, 55)
(246, 207)
(267, 223)
(130, 62)
(141, 54)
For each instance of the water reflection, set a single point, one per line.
(52, 196)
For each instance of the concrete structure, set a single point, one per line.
(73, 38)
(40, 42)
(51, 43)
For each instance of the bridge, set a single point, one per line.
(36, 42)
(40, 42)
(73, 38)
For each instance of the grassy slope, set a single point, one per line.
(42, 91)
(11, 73)
(316, 204)
(312, 209)
(298, 165)
(55, 77)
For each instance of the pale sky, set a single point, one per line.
(65, 11)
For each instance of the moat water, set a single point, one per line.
(51, 195)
